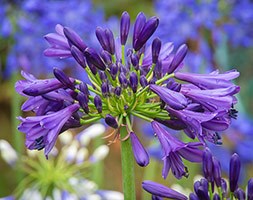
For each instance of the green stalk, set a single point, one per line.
(18, 140)
(97, 168)
(127, 162)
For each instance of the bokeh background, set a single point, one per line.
(219, 35)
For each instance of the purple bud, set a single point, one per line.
(123, 80)
(83, 101)
(216, 197)
(224, 187)
(111, 121)
(98, 103)
(133, 80)
(202, 193)
(105, 55)
(178, 58)
(84, 88)
(124, 27)
(158, 69)
(117, 91)
(74, 39)
(93, 58)
(105, 89)
(63, 78)
(234, 172)
(140, 154)
(78, 56)
(102, 75)
(217, 172)
(114, 70)
(111, 41)
(100, 33)
(250, 189)
(207, 165)
(138, 26)
(146, 32)
(92, 67)
(135, 61)
(240, 194)
(196, 185)
(172, 85)
(193, 197)
(156, 47)
(143, 81)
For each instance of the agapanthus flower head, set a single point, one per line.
(126, 82)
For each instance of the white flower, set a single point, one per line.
(100, 153)
(8, 154)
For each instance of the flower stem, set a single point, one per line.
(127, 163)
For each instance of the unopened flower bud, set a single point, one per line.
(178, 58)
(111, 121)
(143, 81)
(133, 80)
(156, 47)
(63, 78)
(124, 27)
(74, 39)
(117, 91)
(140, 154)
(234, 172)
(93, 58)
(98, 103)
(78, 56)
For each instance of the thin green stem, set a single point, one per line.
(141, 116)
(123, 54)
(164, 78)
(127, 162)
(94, 119)
(210, 190)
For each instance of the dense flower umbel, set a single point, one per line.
(139, 81)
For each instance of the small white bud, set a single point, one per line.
(8, 154)
(81, 155)
(100, 153)
(109, 195)
(92, 131)
(71, 151)
(66, 137)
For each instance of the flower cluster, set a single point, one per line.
(205, 25)
(138, 81)
(204, 189)
(26, 16)
(64, 176)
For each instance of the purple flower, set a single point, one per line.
(124, 27)
(213, 80)
(140, 154)
(42, 131)
(174, 149)
(161, 190)
(174, 99)
(35, 87)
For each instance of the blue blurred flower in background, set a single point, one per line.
(34, 19)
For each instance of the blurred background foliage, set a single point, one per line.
(24, 23)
